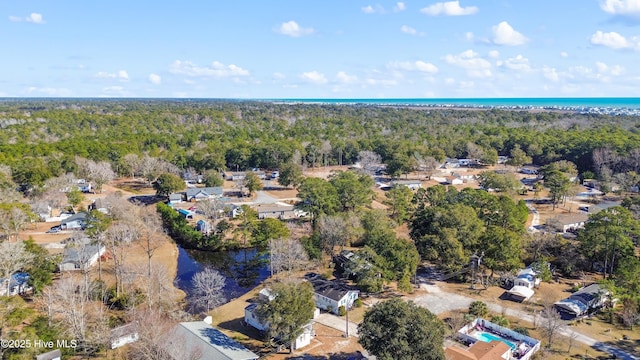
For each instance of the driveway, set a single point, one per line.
(337, 323)
(438, 301)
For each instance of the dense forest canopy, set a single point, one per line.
(40, 138)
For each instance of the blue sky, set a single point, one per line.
(320, 49)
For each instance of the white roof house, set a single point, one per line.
(411, 184)
(209, 343)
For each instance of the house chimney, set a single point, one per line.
(208, 320)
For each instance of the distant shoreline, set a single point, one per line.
(621, 106)
(602, 106)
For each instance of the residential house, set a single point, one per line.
(568, 223)
(502, 159)
(529, 171)
(480, 350)
(192, 178)
(175, 198)
(252, 319)
(583, 301)
(260, 174)
(276, 210)
(201, 341)
(463, 176)
(80, 257)
(234, 175)
(452, 180)
(198, 194)
(523, 284)
(123, 335)
(18, 284)
(85, 186)
(75, 222)
(51, 355)
(234, 211)
(411, 184)
(331, 295)
(204, 227)
(351, 264)
(451, 163)
(101, 205)
(490, 341)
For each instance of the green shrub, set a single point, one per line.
(342, 311)
(357, 303)
(478, 308)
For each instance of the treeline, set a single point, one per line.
(40, 139)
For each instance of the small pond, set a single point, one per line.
(244, 269)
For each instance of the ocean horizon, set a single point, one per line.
(529, 102)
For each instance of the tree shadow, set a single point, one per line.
(238, 325)
(357, 355)
(631, 346)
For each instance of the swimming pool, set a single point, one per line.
(488, 337)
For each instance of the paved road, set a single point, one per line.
(438, 301)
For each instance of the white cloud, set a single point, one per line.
(470, 61)
(518, 63)
(550, 73)
(35, 18)
(621, 7)
(411, 31)
(121, 75)
(278, 76)
(494, 54)
(383, 82)
(373, 9)
(449, 8)
(614, 40)
(155, 79)
(314, 77)
(368, 9)
(291, 28)
(505, 34)
(400, 6)
(603, 68)
(54, 92)
(564, 54)
(216, 69)
(419, 65)
(345, 78)
(469, 36)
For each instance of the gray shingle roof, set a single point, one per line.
(214, 344)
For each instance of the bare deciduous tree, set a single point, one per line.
(368, 160)
(211, 208)
(80, 318)
(132, 162)
(13, 257)
(338, 230)
(158, 339)
(158, 287)
(325, 149)
(551, 323)
(118, 239)
(12, 222)
(151, 231)
(207, 288)
(287, 255)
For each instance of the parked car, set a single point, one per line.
(54, 229)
